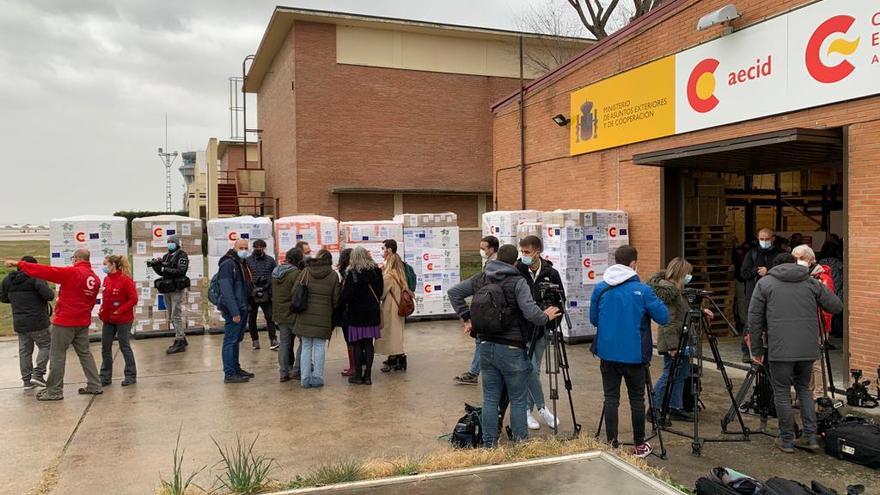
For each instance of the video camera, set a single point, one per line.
(549, 294)
(695, 297)
(154, 262)
(857, 394)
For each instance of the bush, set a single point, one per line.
(245, 471)
(178, 484)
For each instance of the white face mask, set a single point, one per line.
(483, 254)
(804, 263)
(765, 244)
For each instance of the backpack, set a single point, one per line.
(491, 312)
(856, 440)
(214, 290)
(299, 301)
(468, 431)
(726, 481)
(411, 279)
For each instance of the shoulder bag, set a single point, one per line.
(300, 299)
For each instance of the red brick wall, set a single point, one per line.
(592, 180)
(232, 159)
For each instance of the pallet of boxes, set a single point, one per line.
(149, 240)
(222, 234)
(319, 231)
(101, 235)
(369, 235)
(504, 224)
(431, 247)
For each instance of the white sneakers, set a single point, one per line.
(548, 417)
(533, 423)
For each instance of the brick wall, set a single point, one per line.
(609, 179)
(364, 207)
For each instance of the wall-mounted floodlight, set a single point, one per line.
(724, 16)
(561, 120)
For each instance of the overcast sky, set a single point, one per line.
(85, 85)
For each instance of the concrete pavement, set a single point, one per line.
(121, 441)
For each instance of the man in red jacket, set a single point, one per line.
(79, 288)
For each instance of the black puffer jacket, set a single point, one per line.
(363, 305)
(546, 274)
(261, 270)
(30, 299)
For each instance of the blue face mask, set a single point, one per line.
(105, 269)
(172, 246)
(526, 260)
(688, 278)
(765, 244)
(242, 254)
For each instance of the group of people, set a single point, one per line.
(307, 299)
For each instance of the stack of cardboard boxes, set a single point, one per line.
(369, 235)
(320, 232)
(222, 234)
(504, 224)
(431, 247)
(101, 235)
(149, 239)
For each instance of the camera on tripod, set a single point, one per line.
(857, 394)
(695, 297)
(549, 294)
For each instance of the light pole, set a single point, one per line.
(167, 160)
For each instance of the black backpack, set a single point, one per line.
(726, 481)
(491, 312)
(468, 431)
(856, 440)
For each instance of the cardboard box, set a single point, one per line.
(101, 235)
(319, 231)
(446, 219)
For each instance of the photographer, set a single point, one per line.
(261, 266)
(172, 268)
(538, 271)
(754, 267)
(621, 309)
(501, 311)
(784, 307)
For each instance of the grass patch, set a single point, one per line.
(244, 471)
(15, 250)
(345, 471)
(180, 484)
(470, 268)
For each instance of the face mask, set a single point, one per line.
(765, 244)
(804, 263)
(259, 252)
(483, 254)
(105, 269)
(172, 246)
(688, 278)
(242, 254)
(527, 260)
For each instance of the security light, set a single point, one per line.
(560, 120)
(724, 15)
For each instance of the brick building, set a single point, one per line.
(703, 136)
(364, 117)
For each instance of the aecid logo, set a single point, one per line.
(701, 86)
(816, 66)
(80, 237)
(232, 236)
(157, 232)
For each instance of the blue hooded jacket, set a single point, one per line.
(233, 285)
(623, 316)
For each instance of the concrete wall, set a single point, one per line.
(609, 179)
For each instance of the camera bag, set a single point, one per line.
(724, 481)
(856, 440)
(468, 431)
(781, 486)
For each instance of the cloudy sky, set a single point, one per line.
(86, 84)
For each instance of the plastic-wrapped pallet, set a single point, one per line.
(149, 240)
(320, 232)
(369, 235)
(431, 246)
(503, 224)
(101, 235)
(222, 234)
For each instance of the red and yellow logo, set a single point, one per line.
(233, 236)
(612, 231)
(157, 232)
(80, 237)
(817, 68)
(701, 86)
(429, 288)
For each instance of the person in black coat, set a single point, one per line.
(361, 292)
(30, 298)
(260, 297)
(755, 266)
(172, 269)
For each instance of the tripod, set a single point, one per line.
(555, 364)
(760, 402)
(695, 325)
(655, 425)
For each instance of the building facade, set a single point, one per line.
(362, 117)
(771, 120)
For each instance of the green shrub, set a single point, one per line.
(345, 471)
(244, 471)
(178, 484)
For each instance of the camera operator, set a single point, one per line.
(621, 309)
(261, 266)
(502, 327)
(172, 268)
(784, 306)
(754, 267)
(538, 271)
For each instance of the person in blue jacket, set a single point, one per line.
(621, 309)
(233, 276)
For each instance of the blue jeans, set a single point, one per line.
(311, 367)
(285, 350)
(676, 400)
(504, 366)
(232, 335)
(536, 393)
(475, 362)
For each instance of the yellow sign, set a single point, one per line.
(634, 106)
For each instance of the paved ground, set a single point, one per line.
(121, 441)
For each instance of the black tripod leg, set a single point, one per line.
(566, 377)
(744, 390)
(716, 354)
(649, 388)
(827, 356)
(663, 412)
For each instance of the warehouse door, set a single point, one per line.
(716, 196)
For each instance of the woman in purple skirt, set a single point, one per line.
(361, 291)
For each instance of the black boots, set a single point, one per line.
(357, 378)
(368, 380)
(179, 345)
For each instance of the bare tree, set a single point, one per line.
(597, 15)
(555, 29)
